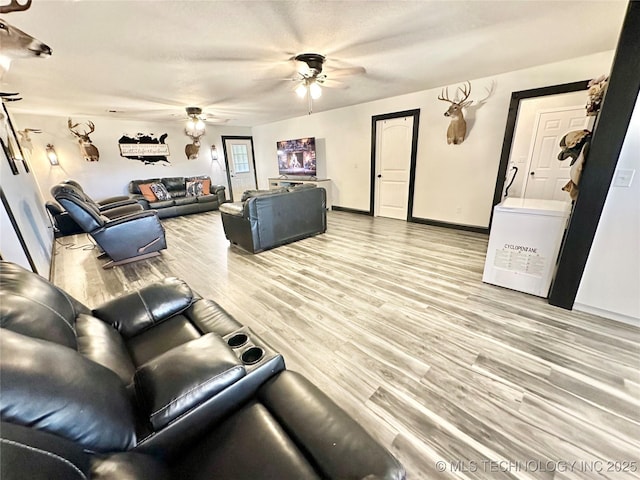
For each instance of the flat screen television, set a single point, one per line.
(297, 157)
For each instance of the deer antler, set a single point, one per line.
(445, 96)
(464, 92)
(71, 126)
(14, 6)
(91, 126)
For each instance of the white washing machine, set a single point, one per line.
(524, 243)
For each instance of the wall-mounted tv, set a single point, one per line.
(297, 157)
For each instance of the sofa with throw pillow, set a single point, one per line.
(173, 196)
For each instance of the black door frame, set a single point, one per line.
(608, 137)
(226, 159)
(414, 155)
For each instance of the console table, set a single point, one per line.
(277, 182)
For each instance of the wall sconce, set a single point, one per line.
(214, 153)
(52, 155)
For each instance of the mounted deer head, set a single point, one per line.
(88, 151)
(194, 130)
(25, 139)
(14, 43)
(15, 6)
(458, 127)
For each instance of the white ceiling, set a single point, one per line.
(150, 59)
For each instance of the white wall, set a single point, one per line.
(112, 173)
(610, 284)
(27, 207)
(454, 183)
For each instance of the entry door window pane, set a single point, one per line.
(240, 158)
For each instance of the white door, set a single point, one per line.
(393, 163)
(547, 175)
(240, 165)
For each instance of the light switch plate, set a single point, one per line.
(623, 178)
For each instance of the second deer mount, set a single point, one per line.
(87, 149)
(458, 127)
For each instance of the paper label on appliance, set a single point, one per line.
(521, 261)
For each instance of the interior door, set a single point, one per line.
(547, 175)
(393, 164)
(241, 165)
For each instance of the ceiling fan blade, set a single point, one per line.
(345, 72)
(330, 83)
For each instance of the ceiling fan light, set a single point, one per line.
(315, 91)
(301, 90)
(199, 125)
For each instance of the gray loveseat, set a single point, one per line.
(183, 200)
(270, 218)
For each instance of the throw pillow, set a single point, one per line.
(194, 188)
(206, 183)
(145, 189)
(160, 191)
(206, 186)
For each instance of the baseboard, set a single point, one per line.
(456, 226)
(619, 317)
(351, 210)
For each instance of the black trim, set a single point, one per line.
(16, 228)
(226, 159)
(512, 117)
(608, 137)
(351, 210)
(455, 226)
(414, 155)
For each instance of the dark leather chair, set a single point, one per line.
(157, 384)
(112, 207)
(124, 239)
(269, 218)
(105, 203)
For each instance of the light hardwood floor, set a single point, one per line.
(393, 322)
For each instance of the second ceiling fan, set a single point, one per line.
(310, 78)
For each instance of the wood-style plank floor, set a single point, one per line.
(393, 322)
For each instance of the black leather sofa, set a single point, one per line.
(160, 384)
(180, 203)
(269, 218)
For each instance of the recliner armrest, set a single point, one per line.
(111, 206)
(118, 198)
(338, 445)
(136, 312)
(185, 377)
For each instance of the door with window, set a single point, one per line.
(241, 165)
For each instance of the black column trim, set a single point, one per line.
(608, 137)
(16, 228)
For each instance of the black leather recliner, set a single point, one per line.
(159, 384)
(105, 203)
(124, 239)
(112, 207)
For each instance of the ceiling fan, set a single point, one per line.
(310, 79)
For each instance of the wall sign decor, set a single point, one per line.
(144, 147)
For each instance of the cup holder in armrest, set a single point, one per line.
(237, 340)
(252, 355)
(252, 351)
